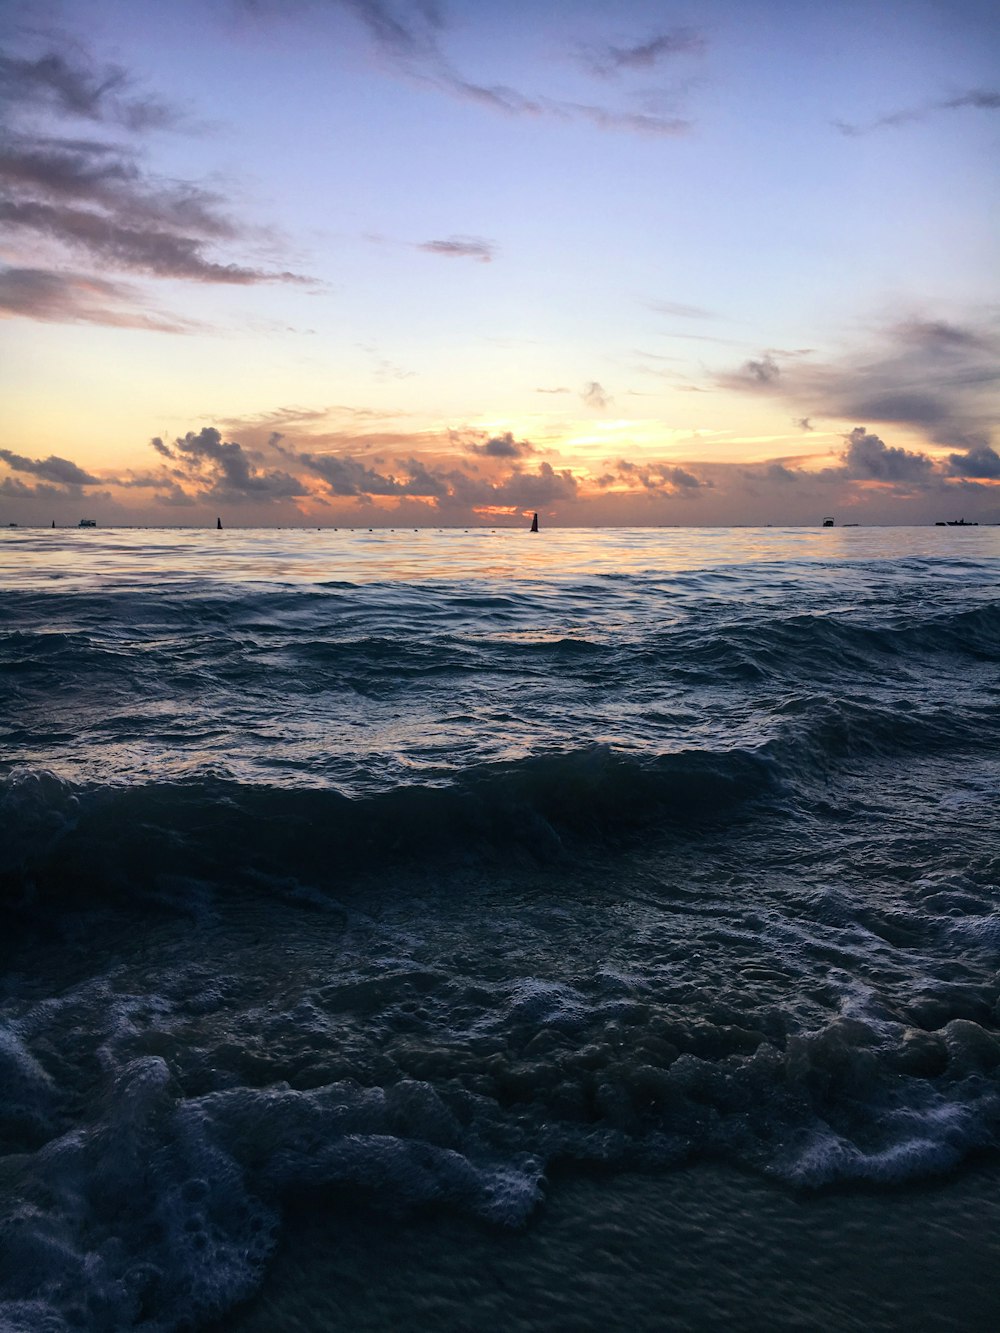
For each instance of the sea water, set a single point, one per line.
(574, 930)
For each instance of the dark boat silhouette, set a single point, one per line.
(218, 525)
(534, 524)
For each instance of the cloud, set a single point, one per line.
(679, 309)
(980, 99)
(594, 395)
(348, 477)
(69, 84)
(173, 496)
(94, 198)
(510, 102)
(606, 118)
(532, 489)
(777, 472)
(609, 60)
(461, 247)
(409, 37)
(663, 477)
(78, 298)
(108, 176)
(867, 458)
(146, 249)
(225, 470)
(407, 31)
(935, 376)
(53, 468)
(983, 462)
(162, 448)
(14, 489)
(763, 372)
(503, 446)
(204, 463)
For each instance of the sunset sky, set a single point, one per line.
(443, 262)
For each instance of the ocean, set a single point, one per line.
(581, 930)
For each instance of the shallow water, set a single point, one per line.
(701, 1248)
(376, 872)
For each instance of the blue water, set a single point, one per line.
(409, 868)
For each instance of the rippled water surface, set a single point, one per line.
(388, 871)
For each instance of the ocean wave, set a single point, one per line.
(64, 840)
(320, 890)
(77, 838)
(253, 657)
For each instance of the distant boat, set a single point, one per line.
(828, 522)
(87, 523)
(534, 524)
(218, 524)
(960, 523)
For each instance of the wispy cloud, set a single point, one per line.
(410, 37)
(679, 309)
(92, 200)
(405, 30)
(461, 247)
(637, 122)
(609, 59)
(144, 248)
(80, 298)
(69, 83)
(934, 376)
(980, 99)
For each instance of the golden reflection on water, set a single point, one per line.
(150, 558)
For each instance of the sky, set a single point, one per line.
(438, 262)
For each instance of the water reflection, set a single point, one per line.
(132, 558)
